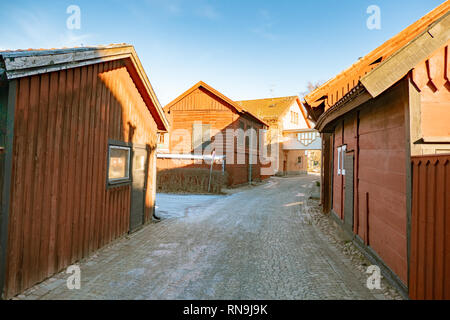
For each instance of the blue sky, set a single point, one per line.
(246, 49)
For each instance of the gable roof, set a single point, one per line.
(348, 81)
(210, 89)
(273, 108)
(23, 63)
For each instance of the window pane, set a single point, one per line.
(118, 163)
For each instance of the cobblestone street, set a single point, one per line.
(256, 243)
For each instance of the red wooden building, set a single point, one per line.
(201, 120)
(390, 105)
(78, 157)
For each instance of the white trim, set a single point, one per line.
(339, 149)
(344, 149)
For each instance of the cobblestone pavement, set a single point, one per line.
(254, 244)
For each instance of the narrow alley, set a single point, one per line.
(256, 243)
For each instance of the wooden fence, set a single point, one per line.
(429, 276)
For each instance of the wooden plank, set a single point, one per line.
(439, 234)
(68, 167)
(90, 152)
(106, 214)
(76, 163)
(429, 194)
(414, 232)
(55, 99)
(102, 142)
(30, 225)
(63, 111)
(84, 122)
(44, 138)
(97, 106)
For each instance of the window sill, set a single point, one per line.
(117, 184)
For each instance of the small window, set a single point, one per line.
(119, 164)
(299, 160)
(341, 156)
(294, 117)
(201, 136)
(161, 138)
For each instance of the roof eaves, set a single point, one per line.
(401, 62)
(24, 63)
(356, 97)
(377, 53)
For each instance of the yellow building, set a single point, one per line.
(292, 145)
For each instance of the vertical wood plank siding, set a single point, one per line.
(202, 106)
(61, 209)
(429, 276)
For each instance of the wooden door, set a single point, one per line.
(139, 187)
(349, 194)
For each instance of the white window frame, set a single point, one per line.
(341, 156)
(339, 150)
(344, 150)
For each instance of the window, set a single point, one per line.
(247, 136)
(161, 138)
(294, 117)
(299, 160)
(201, 136)
(306, 138)
(341, 155)
(118, 164)
(339, 150)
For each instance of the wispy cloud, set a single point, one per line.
(170, 6)
(71, 39)
(36, 30)
(264, 13)
(174, 8)
(264, 29)
(207, 11)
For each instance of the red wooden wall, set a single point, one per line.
(379, 175)
(429, 276)
(61, 210)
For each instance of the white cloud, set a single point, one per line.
(36, 30)
(207, 11)
(264, 13)
(264, 30)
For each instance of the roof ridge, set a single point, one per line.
(220, 95)
(273, 98)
